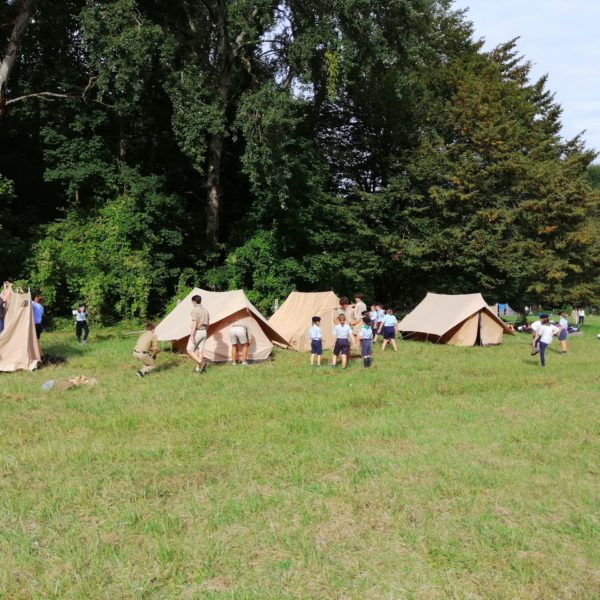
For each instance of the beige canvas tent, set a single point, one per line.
(458, 320)
(19, 347)
(224, 308)
(293, 318)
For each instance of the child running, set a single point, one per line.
(388, 328)
(316, 341)
(366, 341)
(342, 333)
(546, 332)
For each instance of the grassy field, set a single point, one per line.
(438, 473)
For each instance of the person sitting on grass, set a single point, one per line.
(316, 341)
(388, 328)
(342, 333)
(146, 350)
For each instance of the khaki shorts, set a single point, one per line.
(196, 343)
(238, 335)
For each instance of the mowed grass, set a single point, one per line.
(438, 473)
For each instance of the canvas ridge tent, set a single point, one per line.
(458, 320)
(224, 308)
(293, 318)
(19, 347)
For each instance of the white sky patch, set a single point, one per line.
(560, 38)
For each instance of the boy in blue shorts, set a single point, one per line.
(342, 333)
(316, 341)
(366, 341)
(388, 328)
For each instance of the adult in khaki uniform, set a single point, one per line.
(146, 350)
(198, 333)
(356, 320)
(239, 336)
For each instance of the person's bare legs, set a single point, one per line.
(563, 346)
(192, 355)
(234, 354)
(334, 359)
(245, 348)
(385, 342)
(393, 343)
(318, 360)
(345, 360)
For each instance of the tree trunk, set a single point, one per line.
(12, 50)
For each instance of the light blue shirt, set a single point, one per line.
(366, 333)
(342, 332)
(38, 312)
(564, 324)
(314, 333)
(389, 321)
(380, 315)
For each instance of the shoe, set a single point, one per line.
(534, 352)
(84, 342)
(203, 368)
(140, 374)
(233, 363)
(196, 369)
(244, 363)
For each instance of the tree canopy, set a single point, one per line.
(278, 145)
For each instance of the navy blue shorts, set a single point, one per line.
(562, 336)
(341, 347)
(365, 347)
(316, 347)
(389, 332)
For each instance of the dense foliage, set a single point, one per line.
(354, 144)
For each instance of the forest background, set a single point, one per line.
(147, 147)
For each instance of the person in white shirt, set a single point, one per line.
(342, 333)
(581, 315)
(546, 332)
(563, 323)
(316, 341)
(535, 338)
(358, 312)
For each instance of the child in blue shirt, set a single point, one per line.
(342, 333)
(316, 341)
(388, 328)
(81, 324)
(366, 341)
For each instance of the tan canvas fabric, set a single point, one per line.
(293, 318)
(464, 334)
(449, 319)
(490, 332)
(19, 348)
(224, 308)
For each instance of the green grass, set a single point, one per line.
(439, 473)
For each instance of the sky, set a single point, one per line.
(560, 38)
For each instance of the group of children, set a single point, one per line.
(371, 324)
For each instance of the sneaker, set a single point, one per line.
(140, 374)
(534, 352)
(203, 368)
(196, 369)
(84, 342)
(244, 363)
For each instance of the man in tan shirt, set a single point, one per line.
(146, 350)
(198, 333)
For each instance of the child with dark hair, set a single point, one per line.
(366, 341)
(316, 341)
(81, 324)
